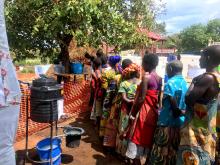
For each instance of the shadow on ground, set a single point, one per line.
(90, 151)
(91, 137)
(91, 133)
(20, 157)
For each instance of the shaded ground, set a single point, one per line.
(90, 151)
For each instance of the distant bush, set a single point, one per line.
(28, 70)
(29, 62)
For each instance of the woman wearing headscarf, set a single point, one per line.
(199, 143)
(109, 84)
(111, 129)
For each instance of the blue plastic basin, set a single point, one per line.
(43, 150)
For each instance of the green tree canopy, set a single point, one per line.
(160, 28)
(194, 38)
(213, 29)
(50, 25)
(174, 41)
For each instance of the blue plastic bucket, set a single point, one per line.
(43, 150)
(77, 68)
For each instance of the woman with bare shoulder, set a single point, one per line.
(200, 135)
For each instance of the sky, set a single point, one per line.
(180, 14)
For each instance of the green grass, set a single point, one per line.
(28, 70)
(30, 62)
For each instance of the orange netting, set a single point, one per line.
(76, 98)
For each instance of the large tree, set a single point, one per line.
(50, 25)
(213, 30)
(194, 38)
(174, 41)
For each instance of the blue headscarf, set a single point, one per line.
(113, 60)
(171, 57)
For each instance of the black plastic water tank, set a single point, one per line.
(44, 95)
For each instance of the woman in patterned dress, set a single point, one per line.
(110, 78)
(96, 88)
(171, 118)
(200, 135)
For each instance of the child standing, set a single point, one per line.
(127, 89)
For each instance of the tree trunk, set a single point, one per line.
(64, 57)
(64, 53)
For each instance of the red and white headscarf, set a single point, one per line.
(130, 69)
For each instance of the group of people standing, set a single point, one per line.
(137, 116)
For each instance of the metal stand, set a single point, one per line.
(51, 135)
(27, 128)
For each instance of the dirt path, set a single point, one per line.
(90, 151)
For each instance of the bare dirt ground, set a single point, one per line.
(26, 76)
(90, 151)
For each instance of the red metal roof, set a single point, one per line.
(151, 35)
